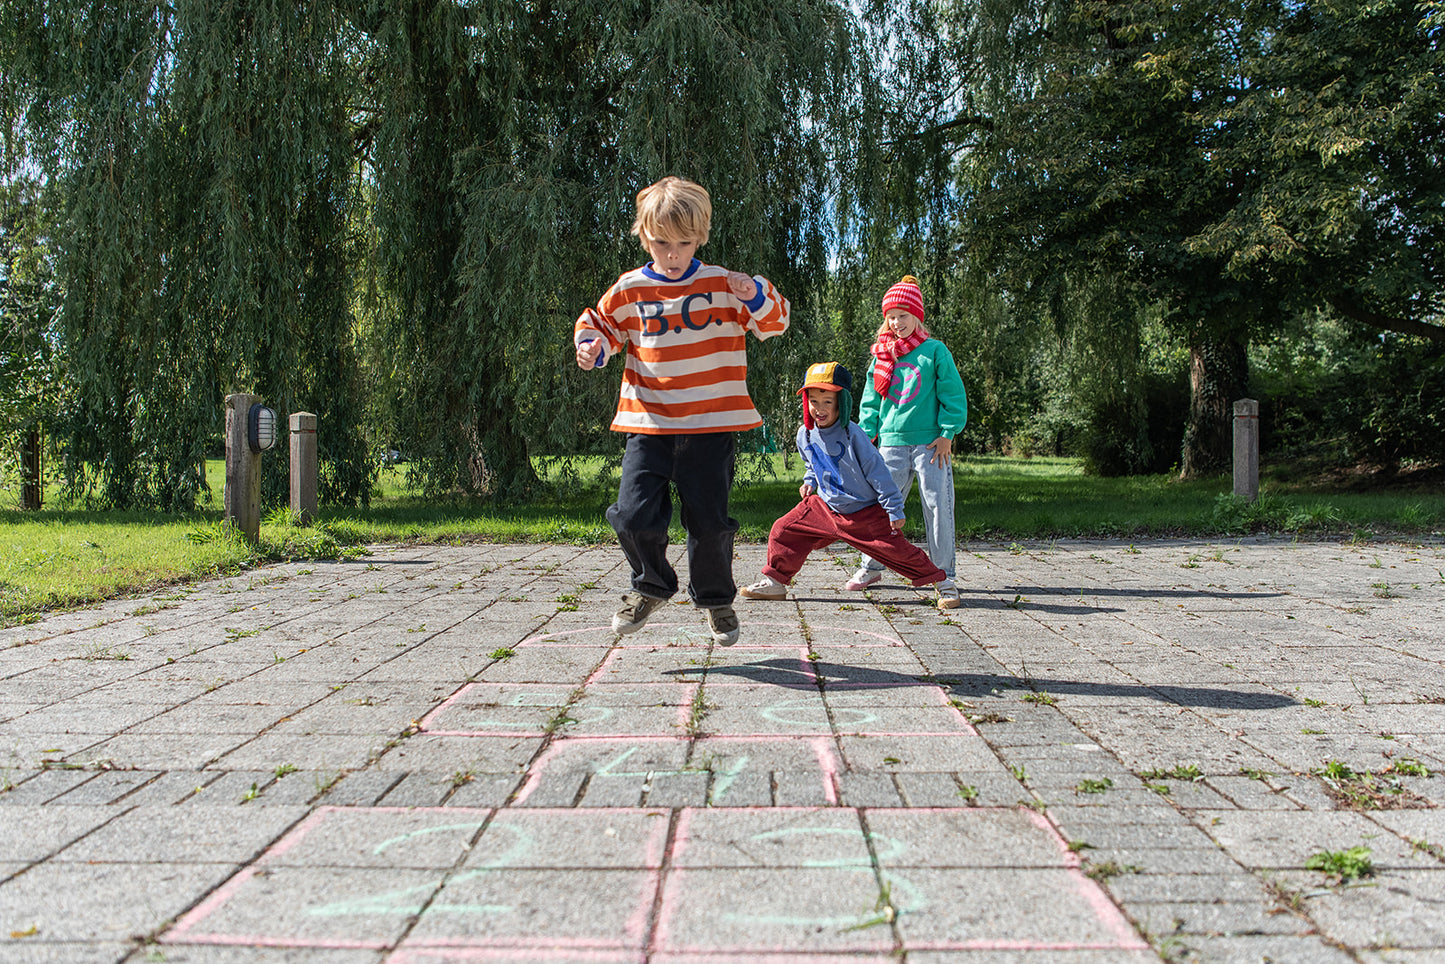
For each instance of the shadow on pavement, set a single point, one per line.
(836, 677)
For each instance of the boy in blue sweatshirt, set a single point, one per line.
(847, 494)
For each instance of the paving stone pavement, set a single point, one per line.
(1111, 752)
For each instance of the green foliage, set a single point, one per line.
(1338, 396)
(1343, 865)
(392, 211)
(1230, 164)
(388, 213)
(509, 146)
(205, 165)
(29, 301)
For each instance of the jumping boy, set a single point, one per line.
(684, 394)
(847, 494)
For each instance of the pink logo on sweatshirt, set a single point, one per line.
(906, 384)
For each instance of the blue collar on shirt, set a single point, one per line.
(655, 276)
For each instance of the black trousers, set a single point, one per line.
(701, 467)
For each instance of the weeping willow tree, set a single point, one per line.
(204, 168)
(388, 212)
(508, 142)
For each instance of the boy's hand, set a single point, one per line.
(804, 490)
(896, 524)
(942, 450)
(587, 353)
(742, 286)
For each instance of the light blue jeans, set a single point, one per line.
(935, 491)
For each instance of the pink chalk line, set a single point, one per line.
(1109, 915)
(181, 932)
(409, 955)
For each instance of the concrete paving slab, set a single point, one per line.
(103, 902)
(1229, 949)
(168, 835)
(31, 950)
(773, 911)
(1217, 919)
(32, 832)
(1271, 840)
(360, 789)
(529, 909)
(325, 908)
(1046, 910)
(42, 786)
(976, 837)
(483, 790)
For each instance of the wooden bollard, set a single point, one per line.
(1246, 448)
(243, 470)
(303, 466)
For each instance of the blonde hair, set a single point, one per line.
(673, 209)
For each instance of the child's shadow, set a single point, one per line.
(804, 674)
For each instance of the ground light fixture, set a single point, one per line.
(260, 428)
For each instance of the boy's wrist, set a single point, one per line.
(759, 296)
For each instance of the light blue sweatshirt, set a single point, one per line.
(846, 471)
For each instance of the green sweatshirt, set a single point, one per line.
(926, 399)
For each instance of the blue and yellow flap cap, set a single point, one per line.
(830, 376)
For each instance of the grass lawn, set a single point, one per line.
(63, 557)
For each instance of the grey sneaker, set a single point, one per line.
(634, 612)
(724, 625)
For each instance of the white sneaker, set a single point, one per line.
(765, 588)
(863, 578)
(948, 595)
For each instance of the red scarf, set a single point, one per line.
(888, 349)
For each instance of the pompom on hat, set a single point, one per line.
(906, 295)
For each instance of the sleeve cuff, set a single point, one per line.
(758, 298)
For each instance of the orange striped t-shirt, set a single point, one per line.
(687, 365)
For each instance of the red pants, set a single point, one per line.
(812, 525)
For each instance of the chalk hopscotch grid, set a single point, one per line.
(656, 923)
(663, 897)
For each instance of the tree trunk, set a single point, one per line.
(30, 492)
(1218, 370)
(506, 473)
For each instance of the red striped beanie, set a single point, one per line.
(906, 295)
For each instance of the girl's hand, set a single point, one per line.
(804, 490)
(587, 353)
(896, 524)
(942, 450)
(742, 286)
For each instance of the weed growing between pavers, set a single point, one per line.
(1342, 866)
(1426, 847)
(1094, 786)
(1180, 771)
(1105, 869)
(1354, 790)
